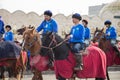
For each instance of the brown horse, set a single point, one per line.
(63, 58)
(32, 42)
(105, 45)
(14, 66)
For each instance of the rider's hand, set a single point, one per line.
(69, 36)
(108, 34)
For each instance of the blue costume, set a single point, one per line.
(8, 36)
(2, 31)
(77, 37)
(87, 36)
(111, 34)
(48, 26)
(87, 33)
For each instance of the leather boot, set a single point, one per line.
(79, 62)
(117, 50)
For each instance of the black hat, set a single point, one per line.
(8, 26)
(107, 22)
(48, 12)
(77, 16)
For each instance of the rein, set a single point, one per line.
(51, 49)
(54, 46)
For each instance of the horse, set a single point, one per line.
(32, 43)
(14, 65)
(105, 45)
(63, 58)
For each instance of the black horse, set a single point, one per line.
(54, 45)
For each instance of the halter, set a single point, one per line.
(103, 36)
(30, 44)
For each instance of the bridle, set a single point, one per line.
(102, 36)
(56, 45)
(29, 44)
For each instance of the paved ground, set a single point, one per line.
(114, 75)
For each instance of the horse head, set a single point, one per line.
(100, 37)
(48, 41)
(21, 30)
(52, 43)
(31, 41)
(98, 34)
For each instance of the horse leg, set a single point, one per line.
(37, 75)
(108, 78)
(61, 78)
(10, 72)
(2, 69)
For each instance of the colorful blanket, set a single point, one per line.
(9, 50)
(94, 65)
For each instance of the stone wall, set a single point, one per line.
(18, 18)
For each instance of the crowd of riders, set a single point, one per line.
(79, 36)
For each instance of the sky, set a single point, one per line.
(65, 7)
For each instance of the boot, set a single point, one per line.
(79, 63)
(117, 50)
(50, 64)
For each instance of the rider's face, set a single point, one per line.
(47, 18)
(7, 29)
(75, 21)
(84, 23)
(107, 25)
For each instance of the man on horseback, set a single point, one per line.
(87, 33)
(2, 31)
(8, 36)
(111, 35)
(48, 25)
(76, 39)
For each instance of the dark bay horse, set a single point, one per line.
(105, 45)
(63, 58)
(14, 65)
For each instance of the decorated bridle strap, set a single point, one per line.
(56, 45)
(60, 43)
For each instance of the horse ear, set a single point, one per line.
(102, 29)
